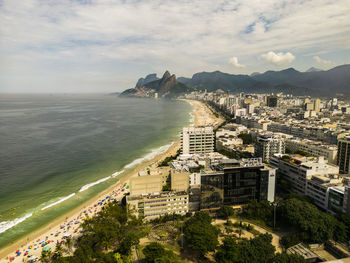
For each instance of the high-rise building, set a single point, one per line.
(343, 159)
(237, 184)
(197, 140)
(268, 145)
(317, 105)
(272, 101)
(309, 106)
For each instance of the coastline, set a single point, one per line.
(202, 116)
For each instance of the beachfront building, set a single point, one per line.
(313, 148)
(180, 181)
(268, 145)
(155, 205)
(150, 181)
(237, 183)
(343, 160)
(197, 140)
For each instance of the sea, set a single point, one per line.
(57, 151)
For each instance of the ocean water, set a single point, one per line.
(57, 151)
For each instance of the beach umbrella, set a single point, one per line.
(45, 249)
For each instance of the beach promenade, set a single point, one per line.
(68, 225)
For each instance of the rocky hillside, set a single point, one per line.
(151, 86)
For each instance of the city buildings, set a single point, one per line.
(268, 145)
(313, 148)
(272, 101)
(197, 140)
(237, 183)
(313, 131)
(314, 178)
(344, 153)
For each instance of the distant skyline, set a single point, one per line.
(72, 46)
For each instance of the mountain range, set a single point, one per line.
(166, 87)
(289, 81)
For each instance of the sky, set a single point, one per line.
(73, 46)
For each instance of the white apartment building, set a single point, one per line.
(319, 187)
(195, 180)
(298, 169)
(158, 204)
(314, 148)
(268, 145)
(316, 179)
(197, 140)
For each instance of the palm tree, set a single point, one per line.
(45, 256)
(58, 251)
(69, 244)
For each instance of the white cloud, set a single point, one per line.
(322, 61)
(234, 61)
(278, 59)
(126, 39)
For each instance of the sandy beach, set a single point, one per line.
(69, 224)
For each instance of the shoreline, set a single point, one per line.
(202, 116)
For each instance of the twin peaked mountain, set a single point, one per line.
(313, 82)
(166, 87)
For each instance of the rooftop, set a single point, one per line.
(156, 195)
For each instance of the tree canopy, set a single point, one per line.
(312, 224)
(225, 212)
(156, 253)
(110, 232)
(256, 250)
(200, 235)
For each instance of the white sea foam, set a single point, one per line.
(59, 201)
(9, 224)
(87, 186)
(117, 173)
(150, 155)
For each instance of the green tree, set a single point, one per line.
(288, 258)
(69, 244)
(156, 253)
(130, 240)
(46, 256)
(257, 250)
(225, 212)
(58, 251)
(312, 224)
(200, 235)
(118, 258)
(166, 187)
(259, 211)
